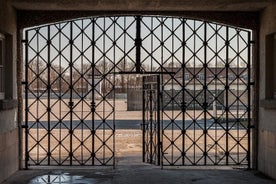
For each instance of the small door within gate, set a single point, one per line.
(151, 119)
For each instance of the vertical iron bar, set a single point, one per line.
(152, 89)
(82, 93)
(105, 86)
(172, 94)
(151, 44)
(151, 122)
(226, 95)
(194, 94)
(71, 92)
(144, 120)
(38, 99)
(205, 93)
(60, 94)
(162, 89)
(113, 88)
(125, 36)
(216, 92)
(147, 122)
(158, 119)
(49, 94)
(93, 92)
(26, 99)
(237, 96)
(138, 43)
(183, 92)
(249, 102)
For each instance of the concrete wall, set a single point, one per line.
(267, 111)
(8, 144)
(9, 149)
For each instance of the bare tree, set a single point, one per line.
(57, 78)
(220, 64)
(37, 75)
(123, 66)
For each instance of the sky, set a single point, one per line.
(164, 40)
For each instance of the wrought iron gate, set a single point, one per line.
(151, 119)
(70, 81)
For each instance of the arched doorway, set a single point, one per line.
(76, 69)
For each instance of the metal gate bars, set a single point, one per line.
(71, 75)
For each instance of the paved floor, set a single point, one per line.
(130, 170)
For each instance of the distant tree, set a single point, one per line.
(123, 65)
(37, 74)
(103, 69)
(175, 64)
(145, 67)
(58, 78)
(103, 66)
(188, 64)
(220, 64)
(243, 64)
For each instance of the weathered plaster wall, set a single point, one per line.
(8, 144)
(9, 154)
(267, 117)
(248, 20)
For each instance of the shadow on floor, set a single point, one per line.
(137, 173)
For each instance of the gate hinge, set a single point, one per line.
(24, 82)
(252, 83)
(24, 41)
(251, 126)
(252, 42)
(24, 126)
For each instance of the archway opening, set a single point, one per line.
(84, 80)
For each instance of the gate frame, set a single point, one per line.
(250, 83)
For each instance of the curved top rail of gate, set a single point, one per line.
(158, 39)
(134, 16)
